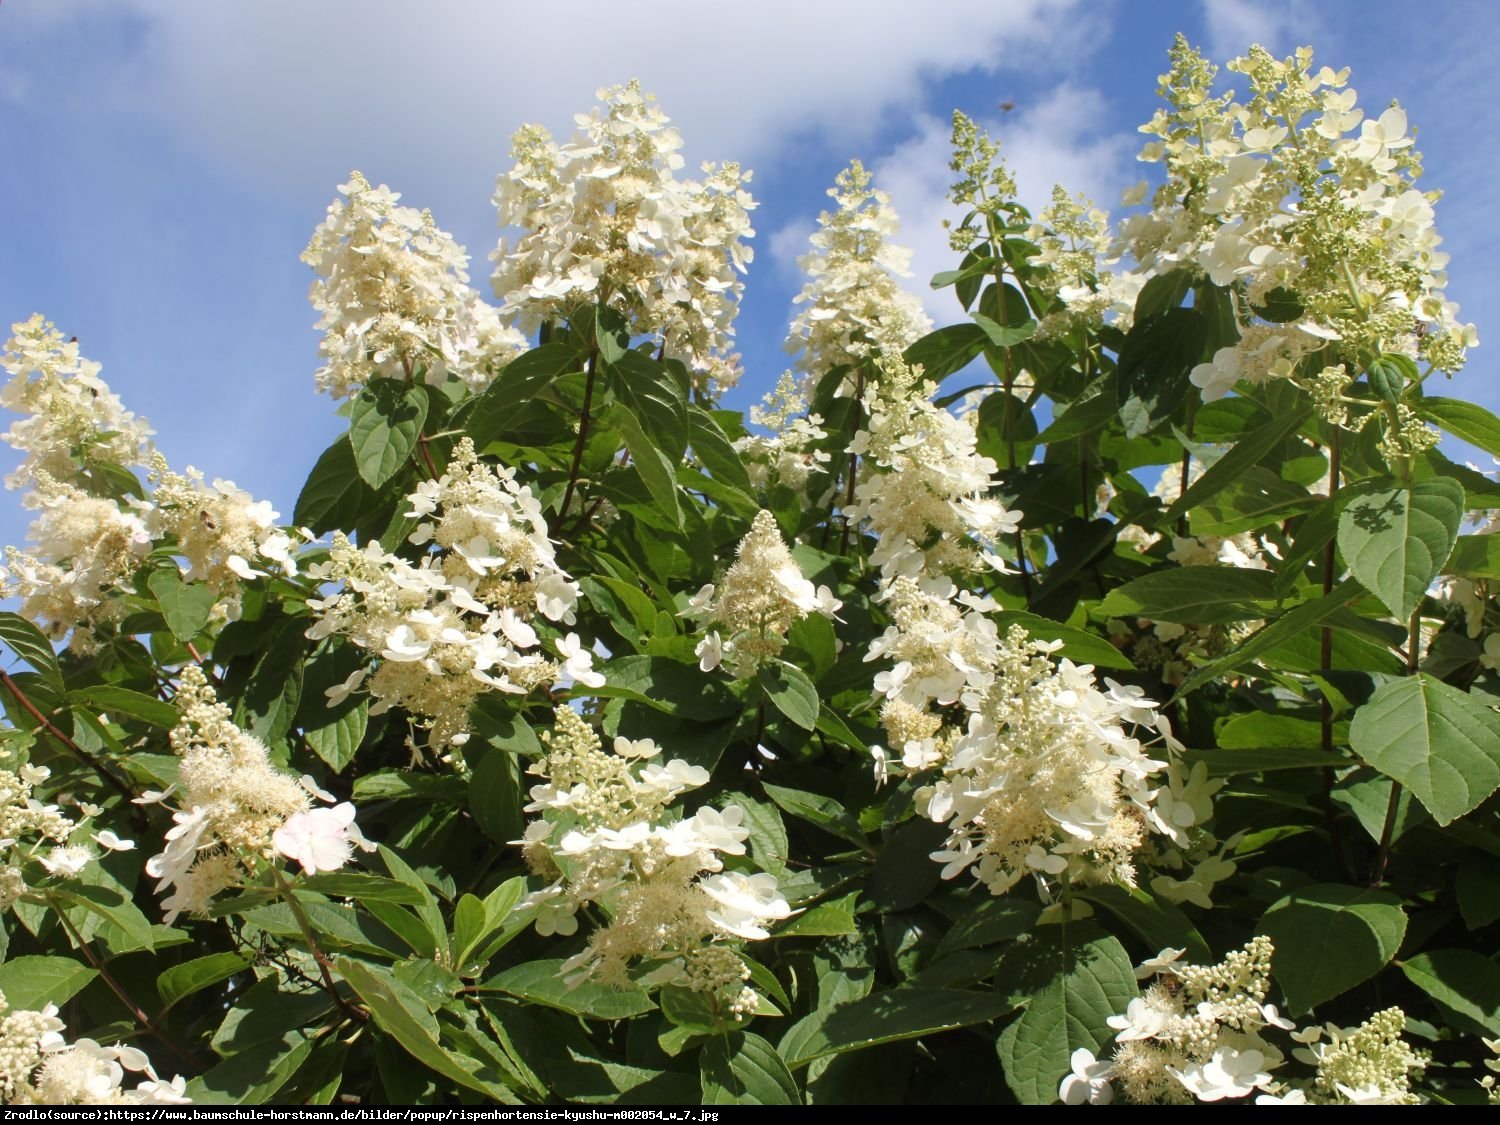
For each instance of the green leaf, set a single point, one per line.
(1466, 420)
(495, 796)
(401, 1015)
(112, 906)
(1389, 374)
(185, 606)
(337, 741)
(27, 642)
(1194, 595)
(183, 980)
(334, 498)
(655, 469)
(715, 450)
(1003, 336)
(1159, 923)
(905, 1013)
(1441, 743)
(543, 982)
(793, 694)
(1154, 363)
(816, 809)
(361, 887)
(121, 702)
(653, 394)
(31, 983)
(945, 351)
(1475, 556)
(1245, 453)
(827, 919)
(385, 422)
(1292, 623)
(1478, 875)
(275, 686)
(520, 381)
(743, 1069)
(1072, 979)
(1463, 983)
(1329, 938)
(1396, 541)
(1227, 763)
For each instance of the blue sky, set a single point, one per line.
(165, 161)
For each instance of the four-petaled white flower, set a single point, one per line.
(319, 839)
(1088, 1081)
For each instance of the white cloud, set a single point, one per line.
(426, 96)
(1280, 26)
(1053, 142)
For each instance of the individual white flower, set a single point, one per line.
(1140, 1021)
(710, 652)
(108, 840)
(1228, 1073)
(745, 901)
(1217, 377)
(1088, 1081)
(340, 692)
(66, 861)
(319, 839)
(579, 661)
(1161, 963)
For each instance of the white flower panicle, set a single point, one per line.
(236, 811)
(38, 1066)
(923, 487)
(1079, 251)
(33, 830)
(855, 306)
(73, 420)
(789, 454)
(606, 218)
(607, 837)
(1045, 780)
(1199, 1033)
(459, 622)
(85, 546)
(395, 300)
(760, 597)
(1297, 190)
(226, 536)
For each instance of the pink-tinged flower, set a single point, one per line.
(318, 839)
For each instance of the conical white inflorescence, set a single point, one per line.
(606, 217)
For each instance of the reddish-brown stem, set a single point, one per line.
(51, 728)
(148, 1025)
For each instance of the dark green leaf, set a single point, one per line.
(743, 1069)
(193, 976)
(30, 983)
(27, 642)
(945, 351)
(385, 422)
(905, 1013)
(1441, 743)
(1396, 540)
(1194, 595)
(793, 694)
(186, 606)
(543, 982)
(1329, 938)
(1466, 420)
(1464, 984)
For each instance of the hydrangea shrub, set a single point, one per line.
(1090, 699)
